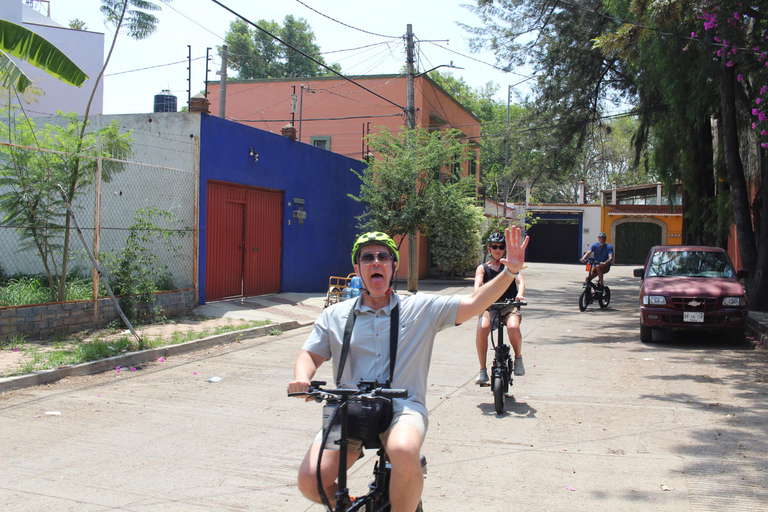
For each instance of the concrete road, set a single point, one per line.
(601, 422)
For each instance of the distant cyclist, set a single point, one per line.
(603, 254)
(509, 315)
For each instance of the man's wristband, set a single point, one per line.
(510, 274)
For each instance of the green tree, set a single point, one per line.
(409, 185)
(255, 54)
(453, 226)
(135, 17)
(77, 24)
(29, 180)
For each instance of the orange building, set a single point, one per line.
(337, 115)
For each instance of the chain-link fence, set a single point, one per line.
(144, 216)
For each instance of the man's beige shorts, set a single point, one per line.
(405, 416)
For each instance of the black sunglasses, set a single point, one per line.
(370, 257)
(496, 247)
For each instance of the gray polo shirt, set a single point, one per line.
(422, 316)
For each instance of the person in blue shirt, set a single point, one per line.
(603, 253)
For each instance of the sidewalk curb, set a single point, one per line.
(139, 357)
(758, 329)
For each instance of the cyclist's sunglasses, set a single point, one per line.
(497, 246)
(369, 257)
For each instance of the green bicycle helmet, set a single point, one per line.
(374, 238)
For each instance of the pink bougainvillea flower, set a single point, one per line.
(754, 126)
(160, 360)
(761, 117)
(133, 368)
(117, 369)
(755, 111)
(763, 89)
(765, 145)
(758, 101)
(738, 77)
(693, 34)
(730, 64)
(763, 133)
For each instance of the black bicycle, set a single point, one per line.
(377, 498)
(591, 292)
(503, 367)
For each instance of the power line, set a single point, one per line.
(304, 54)
(152, 67)
(498, 68)
(348, 26)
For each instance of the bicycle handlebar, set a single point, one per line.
(370, 390)
(505, 303)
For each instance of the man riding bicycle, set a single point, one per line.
(421, 317)
(603, 254)
(510, 315)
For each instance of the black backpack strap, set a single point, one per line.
(347, 337)
(394, 328)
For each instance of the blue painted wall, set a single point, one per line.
(312, 251)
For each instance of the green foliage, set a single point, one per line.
(254, 54)
(23, 290)
(453, 227)
(29, 180)
(26, 45)
(414, 186)
(135, 271)
(396, 185)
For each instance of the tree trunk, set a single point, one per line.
(759, 298)
(739, 192)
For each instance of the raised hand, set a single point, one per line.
(515, 258)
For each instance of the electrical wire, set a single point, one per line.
(153, 67)
(302, 53)
(348, 26)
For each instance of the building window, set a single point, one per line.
(321, 142)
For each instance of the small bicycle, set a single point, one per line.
(591, 291)
(502, 369)
(377, 498)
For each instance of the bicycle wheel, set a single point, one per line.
(584, 299)
(498, 394)
(605, 298)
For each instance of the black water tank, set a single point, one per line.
(165, 102)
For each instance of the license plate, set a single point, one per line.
(693, 316)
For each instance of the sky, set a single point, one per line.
(365, 38)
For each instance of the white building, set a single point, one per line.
(84, 48)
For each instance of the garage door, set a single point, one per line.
(243, 241)
(554, 241)
(634, 240)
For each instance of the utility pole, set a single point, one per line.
(223, 83)
(506, 154)
(410, 116)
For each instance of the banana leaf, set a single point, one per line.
(20, 42)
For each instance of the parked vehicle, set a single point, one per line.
(690, 287)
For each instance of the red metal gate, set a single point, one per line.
(244, 241)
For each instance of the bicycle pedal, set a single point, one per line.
(486, 385)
